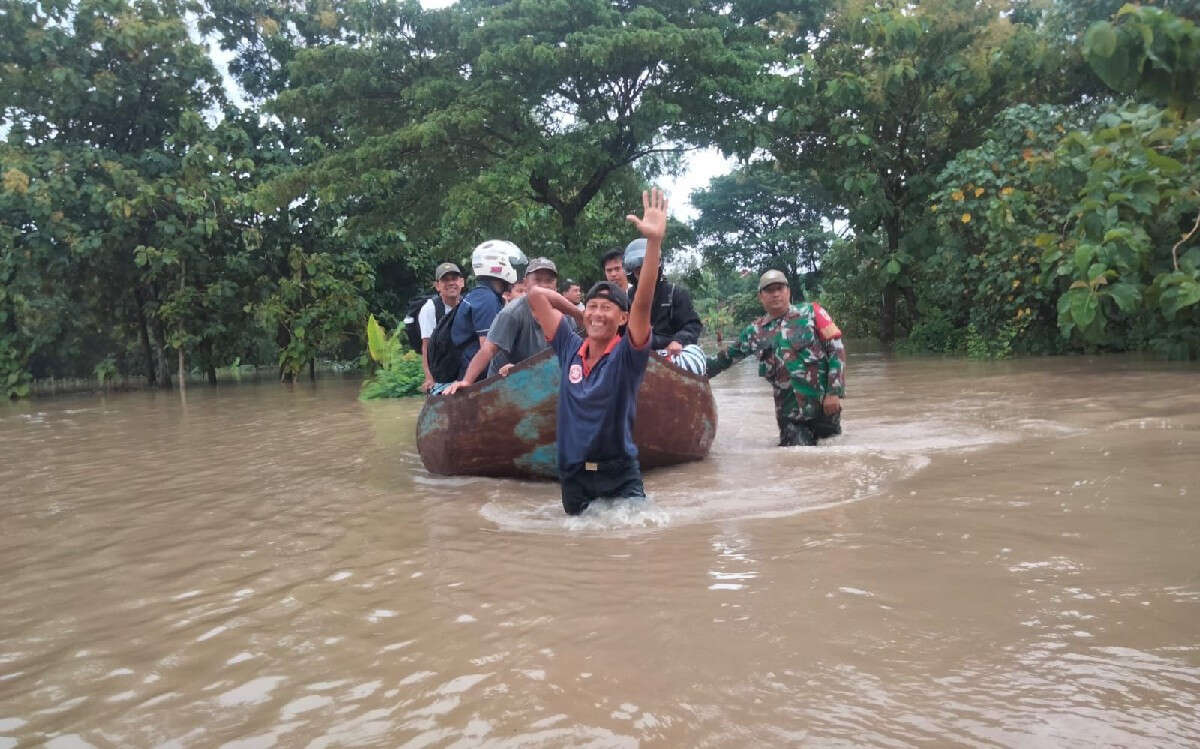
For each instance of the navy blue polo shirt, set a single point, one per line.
(596, 409)
(476, 312)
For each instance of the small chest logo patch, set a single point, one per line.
(575, 374)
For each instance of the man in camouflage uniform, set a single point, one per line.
(800, 352)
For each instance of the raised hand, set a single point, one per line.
(653, 223)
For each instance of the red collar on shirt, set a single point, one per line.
(583, 353)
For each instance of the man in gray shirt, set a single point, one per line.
(514, 335)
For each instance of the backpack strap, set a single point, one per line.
(439, 308)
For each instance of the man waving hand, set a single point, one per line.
(597, 395)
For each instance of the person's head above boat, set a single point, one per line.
(605, 311)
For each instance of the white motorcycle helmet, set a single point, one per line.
(494, 258)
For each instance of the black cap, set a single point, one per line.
(610, 291)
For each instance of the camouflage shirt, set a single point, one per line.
(800, 354)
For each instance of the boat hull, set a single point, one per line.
(507, 426)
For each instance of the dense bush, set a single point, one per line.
(400, 371)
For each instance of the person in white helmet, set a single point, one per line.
(494, 275)
(515, 335)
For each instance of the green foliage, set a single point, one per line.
(402, 377)
(142, 217)
(13, 374)
(105, 371)
(998, 345)
(1128, 283)
(318, 305)
(892, 92)
(936, 333)
(994, 209)
(725, 299)
(401, 372)
(377, 342)
(760, 218)
(852, 283)
(1149, 51)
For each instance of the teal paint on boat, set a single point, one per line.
(529, 428)
(541, 461)
(527, 388)
(431, 414)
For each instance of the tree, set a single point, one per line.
(759, 217)
(92, 91)
(498, 111)
(991, 205)
(892, 92)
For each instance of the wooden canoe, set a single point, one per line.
(506, 426)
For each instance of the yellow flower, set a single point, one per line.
(957, 195)
(1006, 191)
(1016, 282)
(978, 191)
(966, 218)
(934, 207)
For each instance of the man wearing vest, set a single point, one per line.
(800, 352)
(448, 283)
(597, 394)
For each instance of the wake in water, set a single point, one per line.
(535, 513)
(886, 440)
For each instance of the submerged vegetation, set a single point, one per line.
(400, 371)
(980, 177)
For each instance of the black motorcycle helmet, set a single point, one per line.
(635, 255)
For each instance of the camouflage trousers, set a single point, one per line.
(797, 430)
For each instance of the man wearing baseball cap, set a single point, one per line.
(515, 335)
(597, 394)
(448, 282)
(800, 353)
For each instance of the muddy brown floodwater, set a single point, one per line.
(998, 554)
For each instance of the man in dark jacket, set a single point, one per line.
(673, 319)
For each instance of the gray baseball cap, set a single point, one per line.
(541, 263)
(445, 268)
(771, 277)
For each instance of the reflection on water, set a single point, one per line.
(995, 554)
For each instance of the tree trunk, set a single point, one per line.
(210, 369)
(282, 337)
(312, 370)
(182, 369)
(568, 233)
(910, 297)
(160, 350)
(144, 334)
(887, 312)
(182, 373)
